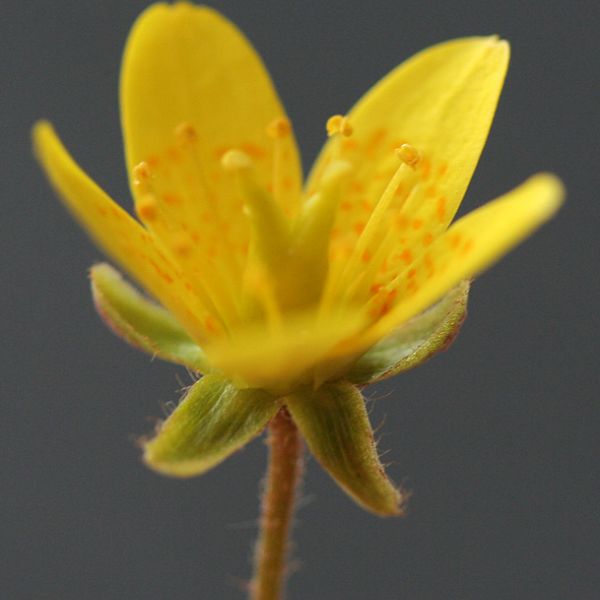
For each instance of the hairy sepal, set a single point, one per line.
(213, 420)
(334, 422)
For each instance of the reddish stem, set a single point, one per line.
(283, 475)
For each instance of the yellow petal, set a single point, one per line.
(471, 245)
(441, 102)
(113, 229)
(188, 65)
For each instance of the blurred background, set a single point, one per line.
(497, 438)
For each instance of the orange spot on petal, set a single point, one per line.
(359, 227)
(455, 240)
(153, 160)
(441, 209)
(253, 150)
(406, 256)
(430, 192)
(171, 198)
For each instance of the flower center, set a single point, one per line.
(279, 257)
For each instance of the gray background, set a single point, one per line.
(497, 438)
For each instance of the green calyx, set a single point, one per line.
(333, 420)
(213, 420)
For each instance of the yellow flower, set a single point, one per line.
(287, 293)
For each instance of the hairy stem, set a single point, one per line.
(283, 475)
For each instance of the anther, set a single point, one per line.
(141, 174)
(409, 155)
(339, 124)
(186, 132)
(279, 127)
(147, 208)
(235, 160)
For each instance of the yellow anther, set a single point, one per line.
(141, 174)
(279, 127)
(235, 160)
(408, 154)
(339, 124)
(186, 132)
(147, 208)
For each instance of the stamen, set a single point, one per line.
(259, 285)
(141, 176)
(338, 124)
(376, 234)
(312, 235)
(278, 128)
(409, 155)
(236, 160)
(269, 226)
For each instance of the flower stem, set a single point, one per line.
(283, 475)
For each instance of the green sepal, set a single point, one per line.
(334, 422)
(415, 342)
(213, 420)
(141, 322)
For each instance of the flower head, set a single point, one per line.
(287, 293)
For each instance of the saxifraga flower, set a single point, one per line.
(284, 294)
